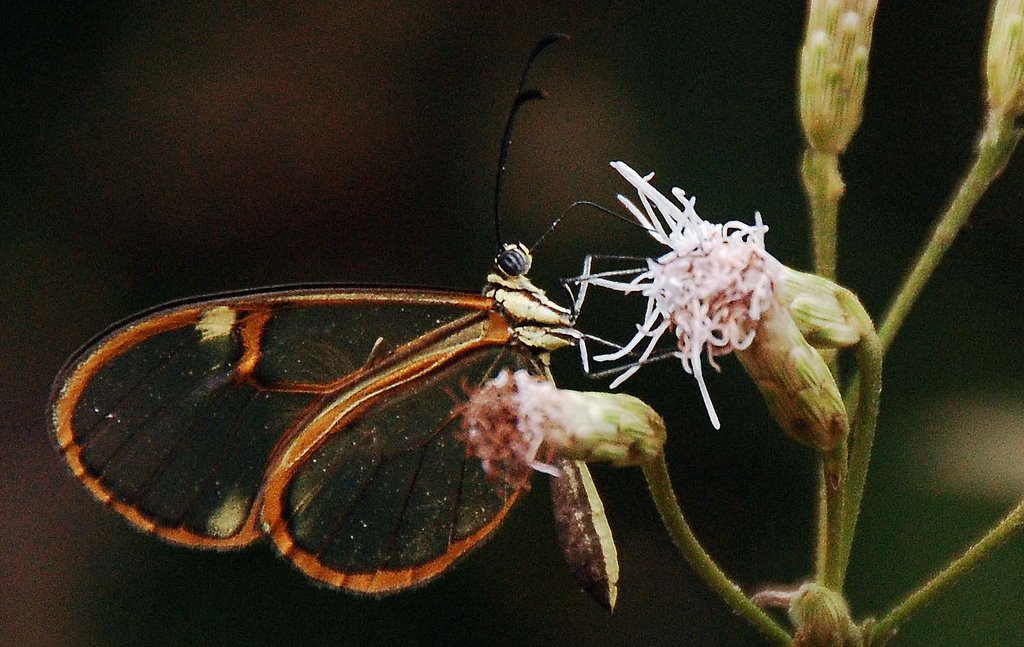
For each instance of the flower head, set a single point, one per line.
(518, 422)
(719, 291)
(711, 289)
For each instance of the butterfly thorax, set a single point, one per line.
(534, 320)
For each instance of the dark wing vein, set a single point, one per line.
(331, 538)
(229, 443)
(214, 381)
(403, 508)
(184, 434)
(103, 424)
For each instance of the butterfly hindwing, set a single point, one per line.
(386, 498)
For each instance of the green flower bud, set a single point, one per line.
(1004, 59)
(796, 383)
(611, 427)
(818, 306)
(834, 70)
(822, 618)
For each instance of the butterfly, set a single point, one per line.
(323, 418)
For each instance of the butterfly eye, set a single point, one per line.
(513, 260)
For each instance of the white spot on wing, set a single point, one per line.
(226, 519)
(216, 322)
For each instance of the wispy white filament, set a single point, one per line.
(710, 289)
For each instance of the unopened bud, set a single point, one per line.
(834, 70)
(1004, 60)
(519, 422)
(611, 427)
(818, 306)
(795, 381)
(822, 618)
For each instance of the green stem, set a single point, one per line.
(868, 353)
(821, 542)
(835, 473)
(823, 184)
(656, 472)
(959, 567)
(995, 146)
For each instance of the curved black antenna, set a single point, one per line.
(522, 96)
(586, 203)
(541, 45)
(506, 141)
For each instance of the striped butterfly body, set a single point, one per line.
(320, 416)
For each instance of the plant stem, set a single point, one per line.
(656, 472)
(821, 541)
(868, 353)
(959, 567)
(823, 184)
(834, 471)
(995, 146)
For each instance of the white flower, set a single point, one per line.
(517, 423)
(498, 426)
(711, 289)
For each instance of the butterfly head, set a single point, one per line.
(513, 260)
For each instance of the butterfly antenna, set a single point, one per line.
(585, 203)
(523, 96)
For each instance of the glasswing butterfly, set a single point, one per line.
(323, 417)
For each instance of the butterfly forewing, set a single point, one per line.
(175, 418)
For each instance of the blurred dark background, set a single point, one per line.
(151, 151)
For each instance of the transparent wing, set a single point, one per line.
(174, 417)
